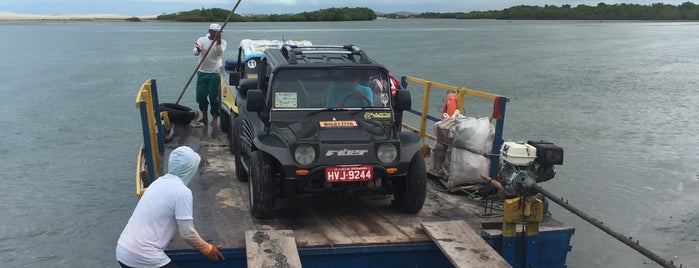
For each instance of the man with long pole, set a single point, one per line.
(208, 78)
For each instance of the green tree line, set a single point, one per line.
(218, 14)
(657, 11)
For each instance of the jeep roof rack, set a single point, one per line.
(292, 52)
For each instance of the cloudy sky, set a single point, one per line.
(154, 7)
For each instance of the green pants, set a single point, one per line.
(208, 85)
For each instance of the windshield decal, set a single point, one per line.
(384, 99)
(285, 100)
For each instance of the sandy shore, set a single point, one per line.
(14, 16)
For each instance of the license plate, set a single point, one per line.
(349, 173)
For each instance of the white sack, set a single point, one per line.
(438, 155)
(465, 167)
(475, 135)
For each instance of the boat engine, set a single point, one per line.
(525, 164)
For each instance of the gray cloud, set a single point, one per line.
(150, 7)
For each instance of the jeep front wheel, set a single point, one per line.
(409, 191)
(261, 185)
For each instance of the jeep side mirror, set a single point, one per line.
(256, 101)
(230, 65)
(403, 101)
(246, 84)
(234, 78)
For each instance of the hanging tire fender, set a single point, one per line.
(178, 114)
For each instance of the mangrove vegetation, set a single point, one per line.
(218, 14)
(657, 11)
(602, 11)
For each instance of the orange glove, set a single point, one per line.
(212, 253)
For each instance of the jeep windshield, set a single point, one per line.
(331, 89)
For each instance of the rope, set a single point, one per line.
(206, 53)
(471, 191)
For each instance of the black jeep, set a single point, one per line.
(321, 120)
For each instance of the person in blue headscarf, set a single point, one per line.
(349, 93)
(164, 209)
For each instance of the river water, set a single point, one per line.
(620, 97)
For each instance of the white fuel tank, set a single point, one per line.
(518, 153)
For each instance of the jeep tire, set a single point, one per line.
(178, 114)
(261, 185)
(231, 135)
(225, 121)
(234, 144)
(409, 191)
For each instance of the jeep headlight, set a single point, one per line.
(304, 154)
(387, 153)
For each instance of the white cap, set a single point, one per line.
(215, 27)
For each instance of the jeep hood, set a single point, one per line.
(333, 131)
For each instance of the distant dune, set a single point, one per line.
(15, 16)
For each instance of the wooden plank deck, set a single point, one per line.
(222, 216)
(270, 249)
(463, 246)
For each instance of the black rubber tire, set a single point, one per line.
(261, 185)
(235, 144)
(178, 114)
(231, 134)
(225, 121)
(409, 191)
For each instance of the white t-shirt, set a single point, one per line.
(212, 63)
(154, 223)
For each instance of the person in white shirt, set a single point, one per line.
(164, 209)
(208, 79)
